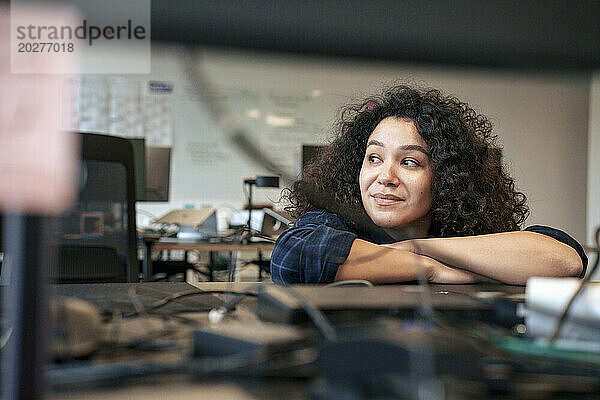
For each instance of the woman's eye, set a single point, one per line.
(410, 162)
(374, 159)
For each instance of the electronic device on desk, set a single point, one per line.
(266, 223)
(285, 305)
(259, 182)
(273, 224)
(547, 300)
(401, 350)
(195, 224)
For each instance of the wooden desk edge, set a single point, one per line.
(190, 246)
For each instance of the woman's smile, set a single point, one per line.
(382, 199)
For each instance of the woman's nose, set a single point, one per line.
(388, 176)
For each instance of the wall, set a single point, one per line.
(541, 119)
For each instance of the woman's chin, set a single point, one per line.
(388, 224)
(400, 227)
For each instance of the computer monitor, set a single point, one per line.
(139, 161)
(152, 170)
(158, 169)
(309, 152)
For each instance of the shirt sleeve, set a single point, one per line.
(312, 250)
(564, 238)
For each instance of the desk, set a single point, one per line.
(151, 243)
(181, 385)
(472, 373)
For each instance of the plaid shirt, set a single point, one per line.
(319, 242)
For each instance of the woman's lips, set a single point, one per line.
(386, 199)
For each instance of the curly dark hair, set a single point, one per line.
(472, 193)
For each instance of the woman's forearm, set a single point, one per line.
(382, 264)
(509, 257)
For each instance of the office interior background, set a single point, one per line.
(279, 73)
(532, 67)
(548, 122)
(236, 89)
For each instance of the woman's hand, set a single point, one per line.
(397, 262)
(436, 272)
(406, 245)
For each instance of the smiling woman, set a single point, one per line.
(411, 183)
(396, 178)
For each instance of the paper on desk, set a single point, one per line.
(546, 298)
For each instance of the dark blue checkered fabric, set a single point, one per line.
(313, 249)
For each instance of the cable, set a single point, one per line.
(359, 282)
(426, 309)
(579, 290)
(147, 214)
(316, 316)
(162, 302)
(216, 315)
(245, 189)
(6, 334)
(141, 310)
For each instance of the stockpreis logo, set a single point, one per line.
(111, 36)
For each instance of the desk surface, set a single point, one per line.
(244, 323)
(206, 246)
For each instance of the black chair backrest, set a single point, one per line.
(97, 239)
(90, 264)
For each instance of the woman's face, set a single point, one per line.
(396, 178)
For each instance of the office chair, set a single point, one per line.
(97, 238)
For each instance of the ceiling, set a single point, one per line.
(546, 35)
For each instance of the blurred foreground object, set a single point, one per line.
(37, 179)
(37, 159)
(546, 301)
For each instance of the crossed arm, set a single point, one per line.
(508, 257)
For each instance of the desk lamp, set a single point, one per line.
(259, 182)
